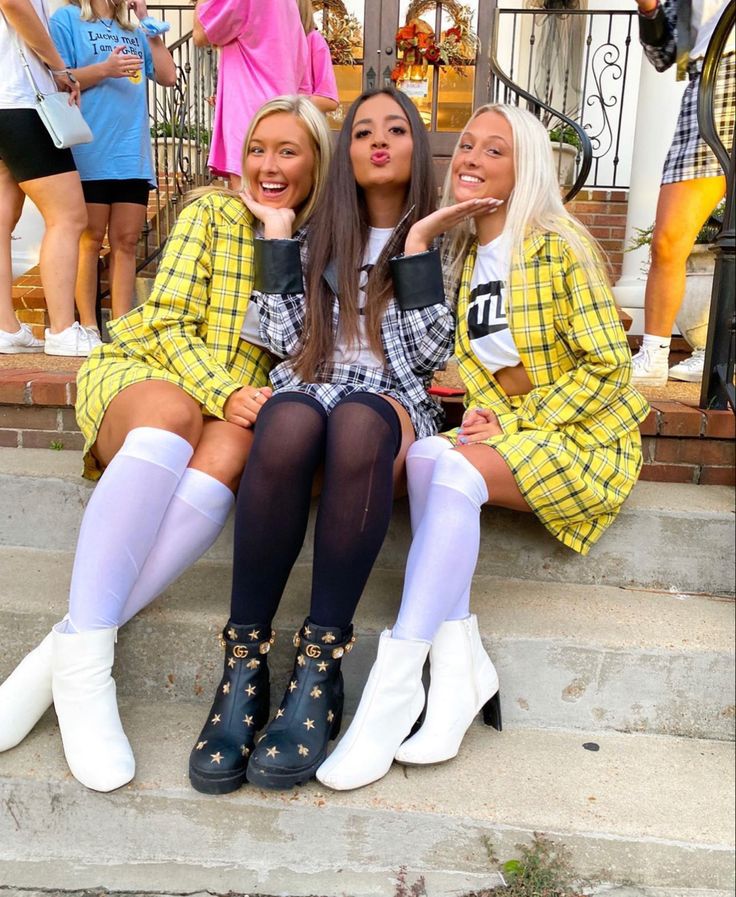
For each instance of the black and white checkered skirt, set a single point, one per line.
(689, 156)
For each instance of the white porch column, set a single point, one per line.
(656, 116)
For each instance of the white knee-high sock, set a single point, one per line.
(444, 550)
(420, 464)
(120, 525)
(194, 519)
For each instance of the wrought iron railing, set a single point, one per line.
(575, 65)
(717, 390)
(181, 120)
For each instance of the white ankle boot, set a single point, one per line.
(25, 695)
(95, 746)
(391, 703)
(463, 679)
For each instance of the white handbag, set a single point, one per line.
(65, 123)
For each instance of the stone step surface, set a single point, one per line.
(638, 809)
(568, 655)
(650, 545)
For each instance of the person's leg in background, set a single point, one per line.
(682, 209)
(14, 337)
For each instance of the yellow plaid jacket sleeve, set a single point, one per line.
(191, 323)
(573, 347)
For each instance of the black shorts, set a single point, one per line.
(27, 149)
(107, 192)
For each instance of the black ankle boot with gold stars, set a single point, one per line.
(295, 741)
(220, 757)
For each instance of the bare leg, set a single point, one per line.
(222, 451)
(126, 223)
(90, 245)
(500, 483)
(11, 206)
(682, 209)
(152, 403)
(61, 202)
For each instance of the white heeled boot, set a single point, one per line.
(392, 700)
(25, 695)
(462, 681)
(95, 746)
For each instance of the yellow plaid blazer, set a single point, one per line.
(571, 343)
(190, 327)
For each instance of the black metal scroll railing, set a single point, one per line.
(717, 390)
(504, 90)
(571, 66)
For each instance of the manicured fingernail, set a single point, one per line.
(463, 440)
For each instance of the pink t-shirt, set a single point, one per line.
(320, 74)
(263, 54)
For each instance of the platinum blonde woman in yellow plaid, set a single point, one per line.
(551, 428)
(167, 410)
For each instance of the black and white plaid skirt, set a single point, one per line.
(689, 156)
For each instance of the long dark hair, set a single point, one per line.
(338, 232)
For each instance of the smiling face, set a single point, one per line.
(483, 164)
(280, 161)
(381, 144)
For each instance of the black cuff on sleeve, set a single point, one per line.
(418, 280)
(278, 265)
(654, 32)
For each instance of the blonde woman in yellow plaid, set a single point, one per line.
(551, 428)
(167, 409)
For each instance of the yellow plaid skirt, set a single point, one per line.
(108, 371)
(576, 493)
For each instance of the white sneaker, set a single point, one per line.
(689, 369)
(95, 339)
(649, 368)
(22, 340)
(75, 340)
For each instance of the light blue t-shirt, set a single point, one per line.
(116, 109)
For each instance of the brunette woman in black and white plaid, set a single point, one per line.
(361, 344)
(693, 182)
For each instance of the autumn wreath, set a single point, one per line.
(418, 45)
(341, 30)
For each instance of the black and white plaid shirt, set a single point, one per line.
(416, 343)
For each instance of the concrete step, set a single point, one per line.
(571, 656)
(667, 536)
(640, 809)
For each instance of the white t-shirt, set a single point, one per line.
(705, 16)
(488, 329)
(362, 354)
(15, 87)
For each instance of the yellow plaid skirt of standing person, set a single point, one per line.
(108, 371)
(575, 492)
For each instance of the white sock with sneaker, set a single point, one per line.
(650, 364)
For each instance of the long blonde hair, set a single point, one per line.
(315, 123)
(120, 14)
(535, 205)
(306, 13)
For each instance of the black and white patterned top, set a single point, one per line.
(416, 343)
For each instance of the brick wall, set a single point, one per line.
(603, 212)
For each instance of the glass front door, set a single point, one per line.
(430, 50)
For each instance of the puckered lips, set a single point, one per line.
(380, 157)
